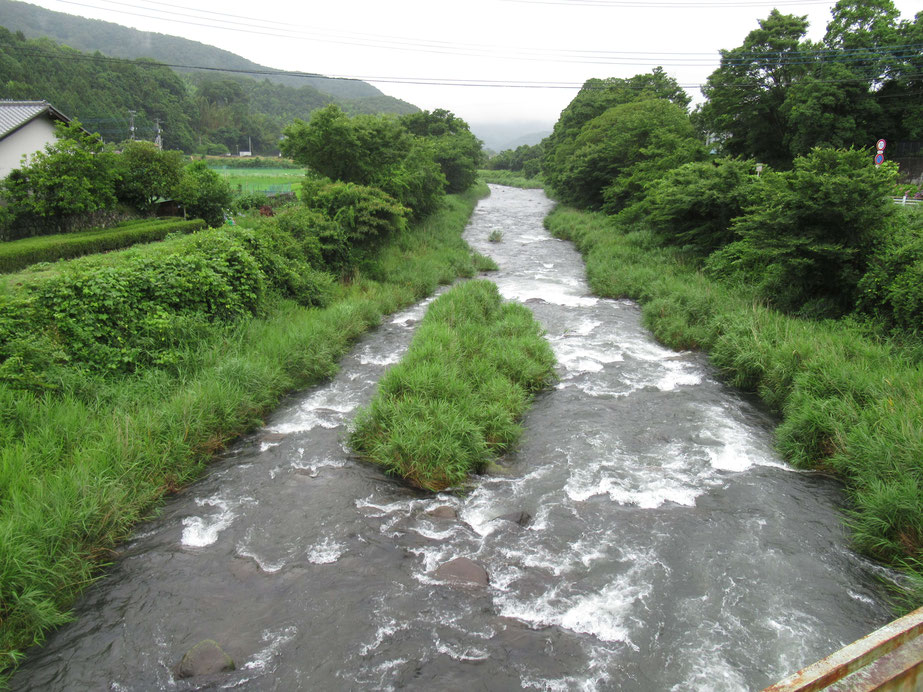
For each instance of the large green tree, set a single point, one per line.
(595, 98)
(355, 150)
(746, 107)
(778, 95)
(146, 173)
(455, 148)
(624, 149)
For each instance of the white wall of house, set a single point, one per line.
(28, 139)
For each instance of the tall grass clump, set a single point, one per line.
(87, 450)
(453, 403)
(850, 404)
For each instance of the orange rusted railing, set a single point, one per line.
(889, 659)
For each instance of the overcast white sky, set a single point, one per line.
(529, 42)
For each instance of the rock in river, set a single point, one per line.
(464, 572)
(205, 658)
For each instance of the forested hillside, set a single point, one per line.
(208, 113)
(119, 41)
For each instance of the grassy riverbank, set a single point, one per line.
(81, 464)
(511, 178)
(454, 401)
(851, 404)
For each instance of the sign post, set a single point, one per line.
(880, 151)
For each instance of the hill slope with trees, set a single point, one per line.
(119, 41)
(199, 113)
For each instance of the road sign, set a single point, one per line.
(881, 144)
(879, 158)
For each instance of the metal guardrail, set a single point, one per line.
(889, 659)
(903, 201)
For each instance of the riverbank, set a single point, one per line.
(80, 468)
(850, 404)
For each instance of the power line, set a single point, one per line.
(257, 26)
(515, 84)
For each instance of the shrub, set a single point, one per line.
(365, 214)
(806, 238)
(17, 254)
(203, 193)
(693, 206)
(892, 289)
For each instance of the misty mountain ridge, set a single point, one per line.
(118, 41)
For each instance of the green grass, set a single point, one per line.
(262, 179)
(78, 468)
(510, 178)
(850, 404)
(18, 254)
(454, 401)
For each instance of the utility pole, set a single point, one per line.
(131, 127)
(158, 140)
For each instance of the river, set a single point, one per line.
(662, 545)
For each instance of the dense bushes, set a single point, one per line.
(415, 159)
(806, 238)
(453, 402)
(892, 289)
(119, 314)
(692, 206)
(21, 253)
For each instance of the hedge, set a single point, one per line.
(17, 254)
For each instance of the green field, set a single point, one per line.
(266, 180)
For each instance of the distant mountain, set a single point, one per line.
(500, 136)
(122, 42)
(205, 114)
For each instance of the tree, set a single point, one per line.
(455, 148)
(203, 193)
(145, 173)
(73, 175)
(594, 99)
(746, 95)
(807, 238)
(358, 150)
(627, 147)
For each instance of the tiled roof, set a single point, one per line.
(15, 114)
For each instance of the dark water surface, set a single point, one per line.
(669, 547)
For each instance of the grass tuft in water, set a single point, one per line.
(454, 401)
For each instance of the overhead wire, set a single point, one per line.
(389, 79)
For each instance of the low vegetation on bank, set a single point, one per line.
(454, 401)
(510, 178)
(18, 254)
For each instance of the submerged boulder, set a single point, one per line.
(205, 658)
(444, 512)
(521, 518)
(464, 572)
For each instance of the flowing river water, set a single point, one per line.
(664, 546)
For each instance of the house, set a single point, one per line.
(25, 128)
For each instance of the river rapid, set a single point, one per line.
(664, 546)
